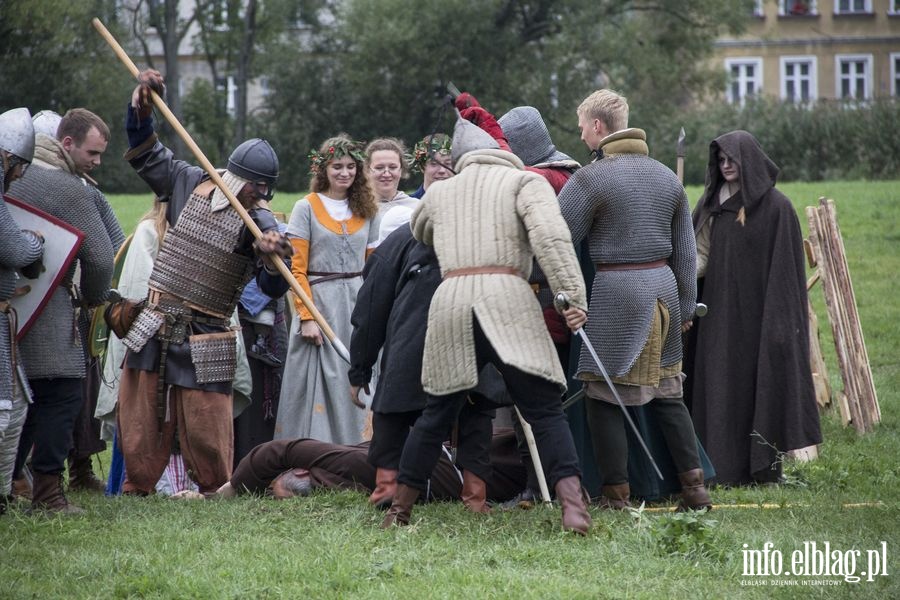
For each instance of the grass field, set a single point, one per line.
(329, 545)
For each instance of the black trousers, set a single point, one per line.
(50, 422)
(537, 399)
(472, 442)
(610, 441)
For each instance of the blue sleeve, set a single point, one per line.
(138, 130)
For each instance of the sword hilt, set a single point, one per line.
(561, 302)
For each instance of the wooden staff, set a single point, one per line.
(217, 179)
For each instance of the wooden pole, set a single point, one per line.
(217, 179)
(858, 402)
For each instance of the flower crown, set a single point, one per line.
(318, 160)
(426, 148)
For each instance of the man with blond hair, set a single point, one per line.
(635, 214)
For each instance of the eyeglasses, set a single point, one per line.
(386, 169)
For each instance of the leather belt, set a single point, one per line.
(328, 276)
(487, 270)
(631, 266)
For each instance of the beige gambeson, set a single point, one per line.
(493, 213)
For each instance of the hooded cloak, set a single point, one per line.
(752, 390)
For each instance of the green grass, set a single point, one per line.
(329, 545)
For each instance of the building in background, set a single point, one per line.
(807, 50)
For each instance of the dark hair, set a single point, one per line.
(76, 124)
(361, 199)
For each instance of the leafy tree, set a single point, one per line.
(375, 70)
(52, 58)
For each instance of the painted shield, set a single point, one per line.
(61, 243)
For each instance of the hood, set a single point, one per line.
(468, 137)
(757, 171)
(528, 136)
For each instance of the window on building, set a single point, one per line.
(798, 79)
(895, 74)
(758, 8)
(894, 7)
(797, 8)
(745, 78)
(853, 76)
(845, 7)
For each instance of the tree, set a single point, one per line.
(376, 70)
(53, 59)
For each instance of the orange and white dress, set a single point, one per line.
(330, 248)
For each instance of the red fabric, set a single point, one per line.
(487, 122)
(465, 100)
(555, 175)
(556, 325)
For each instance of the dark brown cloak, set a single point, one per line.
(752, 388)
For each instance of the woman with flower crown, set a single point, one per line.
(332, 230)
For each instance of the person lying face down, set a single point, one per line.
(290, 468)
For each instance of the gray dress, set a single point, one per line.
(315, 393)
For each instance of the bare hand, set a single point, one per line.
(354, 394)
(575, 317)
(686, 326)
(310, 332)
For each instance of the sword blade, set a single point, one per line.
(590, 348)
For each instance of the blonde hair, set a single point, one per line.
(157, 214)
(392, 145)
(609, 107)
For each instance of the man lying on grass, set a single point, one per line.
(289, 468)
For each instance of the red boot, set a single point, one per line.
(474, 493)
(385, 487)
(575, 516)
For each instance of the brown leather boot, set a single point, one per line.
(474, 493)
(385, 487)
(21, 488)
(570, 495)
(401, 508)
(615, 497)
(694, 495)
(81, 476)
(48, 495)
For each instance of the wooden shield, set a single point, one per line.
(61, 243)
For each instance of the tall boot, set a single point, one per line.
(694, 495)
(385, 487)
(474, 493)
(615, 497)
(81, 476)
(48, 495)
(570, 495)
(401, 508)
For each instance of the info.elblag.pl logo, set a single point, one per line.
(814, 560)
